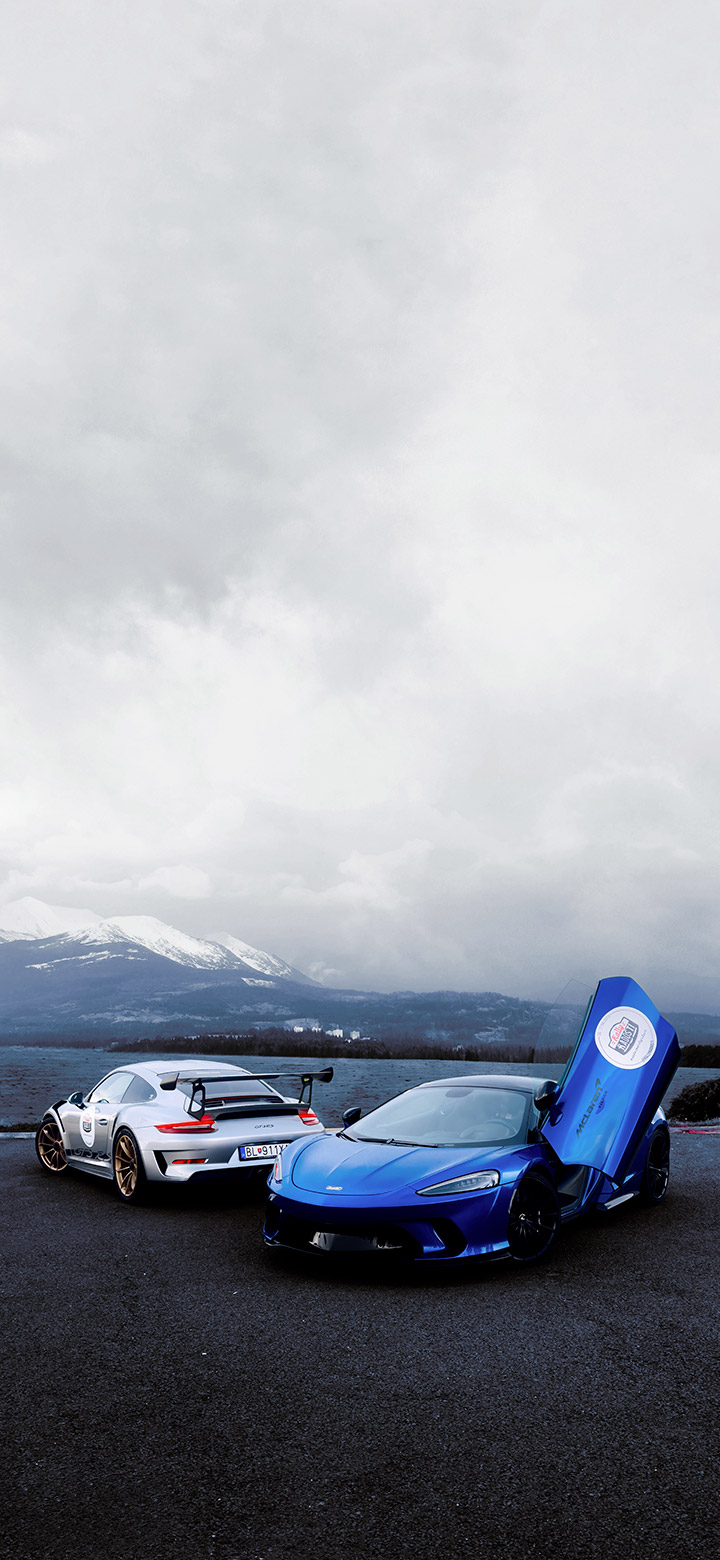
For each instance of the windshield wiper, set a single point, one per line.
(391, 1142)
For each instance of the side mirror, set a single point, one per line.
(77, 1099)
(546, 1096)
(351, 1115)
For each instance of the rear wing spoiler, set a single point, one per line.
(197, 1097)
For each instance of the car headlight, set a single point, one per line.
(463, 1183)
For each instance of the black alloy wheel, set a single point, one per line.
(49, 1147)
(533, 1219)
(128, 1170)
(657, 1168)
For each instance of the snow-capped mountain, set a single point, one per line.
(147, 932)
(30, 920)
(26, 919)
(266, 963)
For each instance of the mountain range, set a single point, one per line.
(67, 970)
(70, 974)
(30, 920)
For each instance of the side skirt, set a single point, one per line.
(101, 1167)
(622, 1197)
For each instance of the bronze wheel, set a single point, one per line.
(128, 1172)
(49, 1147)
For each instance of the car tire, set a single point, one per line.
(49, 1147)
(128, 1171)
(656, 1174)
(533, 1219)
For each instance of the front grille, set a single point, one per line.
(298, 1233)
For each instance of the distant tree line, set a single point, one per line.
(315, 1042)
(402, 1044)
(700, 1056)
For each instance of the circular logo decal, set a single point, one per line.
(626, 1037)
(87, 1127)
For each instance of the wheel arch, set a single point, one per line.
(648, 1191)
(42, 1148)
(658, 1123)
(539, 1172)
(53, 1114)
(124, 1128)
(139, 1130)
(123, 1125)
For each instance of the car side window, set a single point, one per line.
(111, 1089)
(139, 1091)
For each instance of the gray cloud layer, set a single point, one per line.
(359, 480)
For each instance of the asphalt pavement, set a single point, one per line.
(170, 1393)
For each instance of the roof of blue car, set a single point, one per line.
(492, 1080)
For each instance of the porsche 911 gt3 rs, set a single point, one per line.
(176, 1121)
(489, 1166)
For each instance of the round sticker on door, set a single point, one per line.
(87, 1127)
(626, 1037)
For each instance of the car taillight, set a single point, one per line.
(205, 1124)
(190, 1161)
(307, 1114)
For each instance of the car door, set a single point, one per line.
(621, 1066)
(98, 1117)
(70, 1113)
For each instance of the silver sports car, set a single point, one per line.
(175, 1121)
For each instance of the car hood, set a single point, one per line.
(333, 1164)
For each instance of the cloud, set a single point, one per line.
(179, 882)
(360, 556)
(22, 148)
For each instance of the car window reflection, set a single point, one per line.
(448, 1116)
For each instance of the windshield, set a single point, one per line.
(448, 1116)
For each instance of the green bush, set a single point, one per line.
(696, 1102)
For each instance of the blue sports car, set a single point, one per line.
(490, 1165)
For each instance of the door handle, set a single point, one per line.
(102, 1121)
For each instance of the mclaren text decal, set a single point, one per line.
(585, 1119)
(626, 1037)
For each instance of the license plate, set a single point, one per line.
(262, 1150)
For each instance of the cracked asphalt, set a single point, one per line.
(170, 1393)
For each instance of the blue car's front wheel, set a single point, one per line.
(533, 1219)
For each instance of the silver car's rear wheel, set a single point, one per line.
(127, 1165)
(49, 1147)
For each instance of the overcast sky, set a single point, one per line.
(360, 469)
